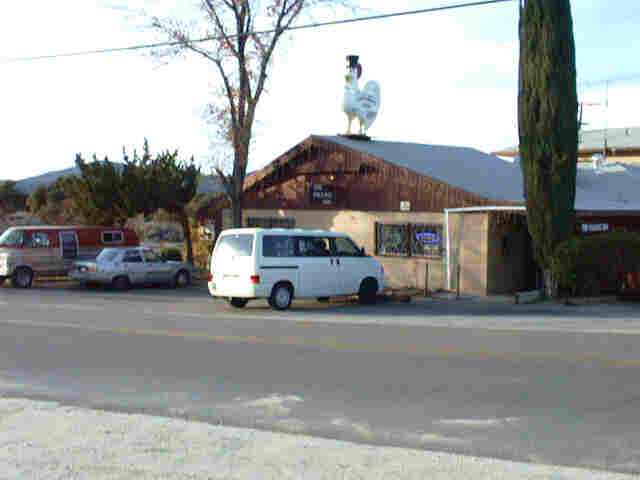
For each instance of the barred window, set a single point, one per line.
(271, 222)
(409, 239)
(392, 239)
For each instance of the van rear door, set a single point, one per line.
(233, 262)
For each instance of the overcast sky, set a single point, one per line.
(446, 78)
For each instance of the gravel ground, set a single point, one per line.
(46, 440)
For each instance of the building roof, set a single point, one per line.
(611, 187)
(618, 141)
(466, 168)
(616, 138)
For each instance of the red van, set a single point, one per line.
(27, 251)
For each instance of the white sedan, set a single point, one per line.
(124, 267)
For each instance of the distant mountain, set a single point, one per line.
(31, 184)
(207, 183)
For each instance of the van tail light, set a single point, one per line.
(255, 279)
(210, 277)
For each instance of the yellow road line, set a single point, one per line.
(335, 344)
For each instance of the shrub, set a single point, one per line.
(173, 254)
(589, 265)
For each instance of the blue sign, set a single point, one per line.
(428, 238)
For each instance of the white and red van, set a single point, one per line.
(40, 250)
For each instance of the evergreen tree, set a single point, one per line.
(548, 125)
(11, 199)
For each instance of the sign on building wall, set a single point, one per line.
(405, 206)
(323, 194)
(594, 227)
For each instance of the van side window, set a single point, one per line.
(40, 240)
(313, 247)
(277, 246)
(114, 236)
(346, 248)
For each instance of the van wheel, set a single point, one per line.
(281, 296)
(23, 278)
(368, 291)
(121, 283)
(238, 302)
(181, 279)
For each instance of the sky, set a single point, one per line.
(446, 78)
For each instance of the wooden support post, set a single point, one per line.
(458, 282)
(426, 279)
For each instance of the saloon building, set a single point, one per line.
(443, 216)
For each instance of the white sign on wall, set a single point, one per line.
(595, 227)
(405, 206)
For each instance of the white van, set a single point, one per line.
(280, 264)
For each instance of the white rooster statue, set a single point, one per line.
(362, 104)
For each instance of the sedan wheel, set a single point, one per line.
(121, 283)
(23, 277)
(182, 279)
(281, 296)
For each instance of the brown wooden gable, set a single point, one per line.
(354, 180)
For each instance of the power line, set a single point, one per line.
(263, 32)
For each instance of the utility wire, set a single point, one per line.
(263, 32)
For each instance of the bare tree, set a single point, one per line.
(242, 37)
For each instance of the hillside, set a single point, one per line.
(208, 183)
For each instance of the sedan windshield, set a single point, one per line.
(107, 255)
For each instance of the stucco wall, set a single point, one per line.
(401, 272)
(468, 234)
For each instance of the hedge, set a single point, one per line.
(595, 264)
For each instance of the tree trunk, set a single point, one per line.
(186, 232)
(550, 284)
(236, 211)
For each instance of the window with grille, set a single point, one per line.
(409, 239)
(271, 222)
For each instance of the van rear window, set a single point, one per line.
(239, 245)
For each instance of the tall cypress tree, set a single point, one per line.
(548, 125)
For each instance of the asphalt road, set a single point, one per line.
(540, 383)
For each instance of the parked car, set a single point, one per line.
(126, 267)
(280, 264)
(46, 250)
